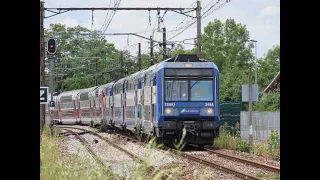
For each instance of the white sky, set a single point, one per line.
(262, 18)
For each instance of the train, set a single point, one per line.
(179, 94)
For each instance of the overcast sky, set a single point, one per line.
(262, 18)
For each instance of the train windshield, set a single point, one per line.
(176, 90)
(189, 90)
(201, 90)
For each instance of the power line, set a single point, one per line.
(204, 15)
(105, 19)
(116, 5)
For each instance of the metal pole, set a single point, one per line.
(164, 43)
(151, 51)
(139, 56)
(51, 61)
(255, 62)
(121, 63)
(256, 69)
(96, 72)
(42, 65)
(250, 111)
(199, 28)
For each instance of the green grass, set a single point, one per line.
(56, 166)
(225, 139)
(268, 176)
(269, 150)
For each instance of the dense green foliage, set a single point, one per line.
(86, 60)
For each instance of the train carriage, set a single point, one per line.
(118, 99)
(100, 97)
(83, 105)
(67, 107)
(132, 106)
(108, 103)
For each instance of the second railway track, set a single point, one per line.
(246, 161)
(213, 164)
(152, 169)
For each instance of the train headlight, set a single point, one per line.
(208, 111)
(168, 111)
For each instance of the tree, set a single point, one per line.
(81, 60)
(268, 67)
(268, 102)
(228, 46)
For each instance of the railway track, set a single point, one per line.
(245, 161)
(87, 146)
(213, 165)
(202, 161)
(152, 169)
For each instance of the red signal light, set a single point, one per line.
(51, 46)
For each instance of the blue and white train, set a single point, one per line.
(177, 93)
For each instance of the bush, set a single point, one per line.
(268, 102)
(260, 149)
(243, 145)
(274, 145)
(225, 139)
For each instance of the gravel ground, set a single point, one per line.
(250, 170)
(188, 169)
(118, 162)
(71, 146)
(250, 157)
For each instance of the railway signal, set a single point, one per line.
(51, 46)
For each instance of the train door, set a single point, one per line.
(74, 101)
(79, 108)
(123, 102)
(103, 106)
(154, 98)
(90, 105)
(111, 105)
(136, 105)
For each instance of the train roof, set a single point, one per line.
(121, 80)
(87, 90)
(136, 75)
(180, 61)
(69, 93)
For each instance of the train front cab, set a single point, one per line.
(190, 101)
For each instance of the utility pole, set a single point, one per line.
(96, 72)
(199, 28)
(164, 43)
(151, 50)
(250, 111)
(256, 69)
(139, 56)
(51, 61)
(255, 62)
(121, 64)
(42, 65)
